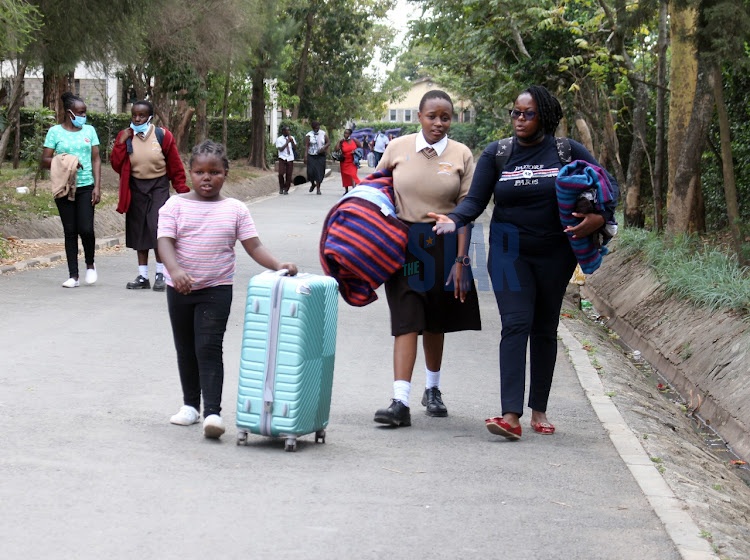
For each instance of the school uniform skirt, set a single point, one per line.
(146, 197)
(417, 296)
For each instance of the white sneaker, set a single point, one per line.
(213, 426)
(186, 416)
(91, 275)
(70, 283)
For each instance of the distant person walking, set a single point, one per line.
(285, 144)
(147, 160)
(76, 207)
(197, 234)
(316, 146)
(379, 144)
(347, 145)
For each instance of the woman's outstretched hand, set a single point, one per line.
(443, 224)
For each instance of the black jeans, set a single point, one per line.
(199, 320)
(77, 218)
(529, 289)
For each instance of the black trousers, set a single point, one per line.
(286, 169)
(199, 321)
(529, 286)
(77, 218)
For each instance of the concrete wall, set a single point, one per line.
(704, 354)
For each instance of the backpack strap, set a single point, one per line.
(159, 131)
(564, 151)
(505, 149)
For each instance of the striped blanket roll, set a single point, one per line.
(363, 241)
(573, 180)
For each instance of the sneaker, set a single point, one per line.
(186, 416)
(433, 400)
(71, 283)
(159, 284)
(213, 426)
(91, 276)
(140, 283)
(397, 414)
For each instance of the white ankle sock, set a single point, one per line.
(143, 270)
(432, 378)
(401, 391)
(159, 268)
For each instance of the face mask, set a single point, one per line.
(78, 121)
(140, 128)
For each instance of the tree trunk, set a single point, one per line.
(225, 103)
(661, 85)
(686, 201)
(683, 73)
(633, 213)
(584, 132)
(730, 187)
(53, 86)
(201, 118)
(304, 55)
(14, 110)
(258, 121)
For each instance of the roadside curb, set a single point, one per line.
(55, 257)
(671, 510)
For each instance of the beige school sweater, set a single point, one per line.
(424, 185)
(147, 160)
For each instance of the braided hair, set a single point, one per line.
(210, 148)
(69, 100)
(548, 107)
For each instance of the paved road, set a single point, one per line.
(91, 468)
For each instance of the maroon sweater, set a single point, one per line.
(120, 160)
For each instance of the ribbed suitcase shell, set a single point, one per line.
(287, 357)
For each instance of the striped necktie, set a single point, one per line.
(429, 152)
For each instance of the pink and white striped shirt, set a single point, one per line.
(205, 234)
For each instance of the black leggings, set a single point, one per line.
(199, 320)
(529, 289)
(77, 218)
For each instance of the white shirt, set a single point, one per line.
(285, 152)
(438, 146)
(381, 141)
(317, 139)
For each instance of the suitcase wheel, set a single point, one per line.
(241, 437)
(291, 444)
(320, 436)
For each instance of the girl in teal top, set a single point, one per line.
(77, 138)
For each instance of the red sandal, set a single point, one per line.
(544, 428)
(500, 427)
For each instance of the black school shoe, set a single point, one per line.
(433, 400)
(159, 284)
(397, 414)
(140, 283)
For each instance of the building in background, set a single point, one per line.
(406, 109)
(101, 89)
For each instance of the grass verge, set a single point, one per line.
(692, 270)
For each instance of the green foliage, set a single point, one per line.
(690, 269)
(21, 21)
(35, 125)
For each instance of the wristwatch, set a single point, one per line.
(464, 260)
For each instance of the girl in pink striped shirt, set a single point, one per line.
(196, 236)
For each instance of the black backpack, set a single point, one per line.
(505, 149)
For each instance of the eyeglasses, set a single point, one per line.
(528, 115)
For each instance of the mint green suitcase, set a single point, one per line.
(287, 357)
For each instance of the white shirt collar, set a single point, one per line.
(439, 146)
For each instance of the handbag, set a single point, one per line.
(337, 155)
